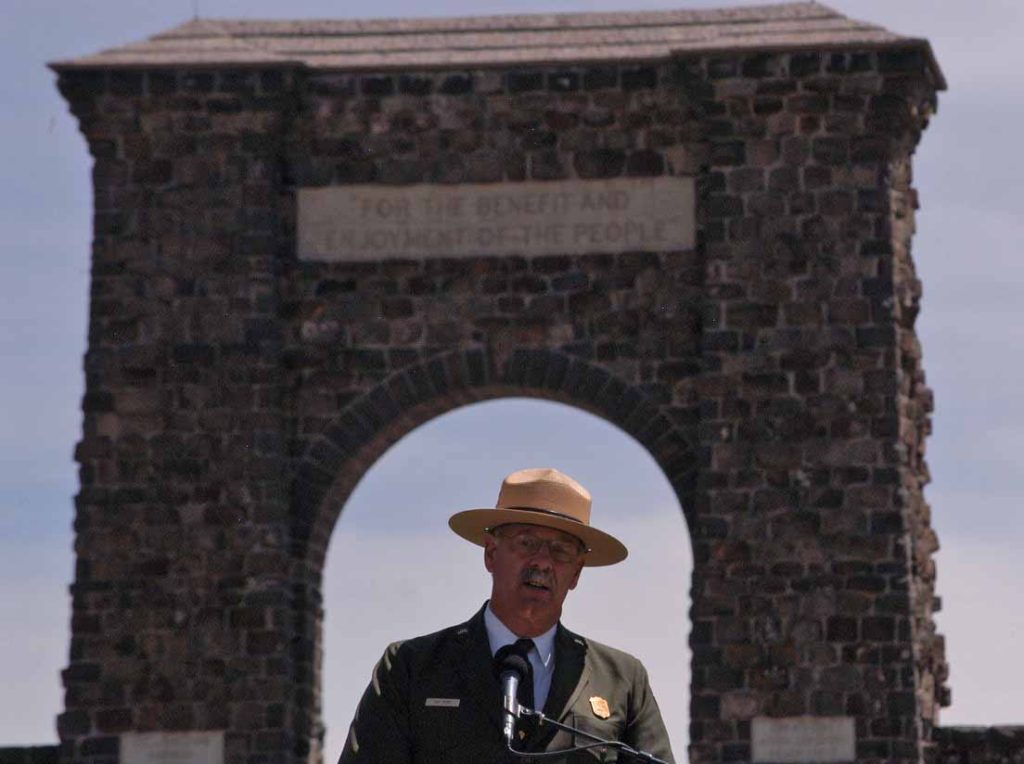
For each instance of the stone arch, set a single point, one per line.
(333, 465)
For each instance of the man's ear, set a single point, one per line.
(489, 549)
(576, 578)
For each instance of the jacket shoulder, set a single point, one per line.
(427, 645)
(610, 660)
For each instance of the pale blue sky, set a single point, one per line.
(967, 170)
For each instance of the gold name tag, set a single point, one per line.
(442, 703)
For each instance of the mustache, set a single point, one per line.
(536, 576)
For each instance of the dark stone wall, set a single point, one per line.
(40, 754)
(235, 394)
(979, 745)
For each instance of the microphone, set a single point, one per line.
(511, 668)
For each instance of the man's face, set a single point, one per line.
(532, 570)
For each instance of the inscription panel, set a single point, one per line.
(172, 748)
(370, 222)
(803, 739)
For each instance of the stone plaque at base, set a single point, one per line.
(803, 740)
(370, 222)
(172, 747)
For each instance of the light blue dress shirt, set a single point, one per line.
(541, 657)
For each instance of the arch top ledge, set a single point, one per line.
(505, 41)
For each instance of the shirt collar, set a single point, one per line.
(499, 635)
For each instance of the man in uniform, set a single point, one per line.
(436, 699)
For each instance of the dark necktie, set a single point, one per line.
(525, 694)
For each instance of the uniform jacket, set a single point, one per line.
(435, 700)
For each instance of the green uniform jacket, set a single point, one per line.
(435, 700)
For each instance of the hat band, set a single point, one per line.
(551, 512)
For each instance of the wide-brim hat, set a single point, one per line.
(545, 497)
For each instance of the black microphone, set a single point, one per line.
(511, 669)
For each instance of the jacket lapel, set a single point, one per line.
(572, 675)
(475, 668)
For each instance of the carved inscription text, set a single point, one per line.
(370, 222)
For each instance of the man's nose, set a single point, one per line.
(544, 553)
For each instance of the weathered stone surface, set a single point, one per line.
(172, 747)
(795, 740)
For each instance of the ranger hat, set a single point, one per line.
(546, 497)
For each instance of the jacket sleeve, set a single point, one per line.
(380, 733)
(645, 731)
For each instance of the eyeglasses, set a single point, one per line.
(527, 545)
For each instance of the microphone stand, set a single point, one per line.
(599, 742)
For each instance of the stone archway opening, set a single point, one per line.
(393, 570)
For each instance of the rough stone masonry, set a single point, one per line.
(236, 392)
